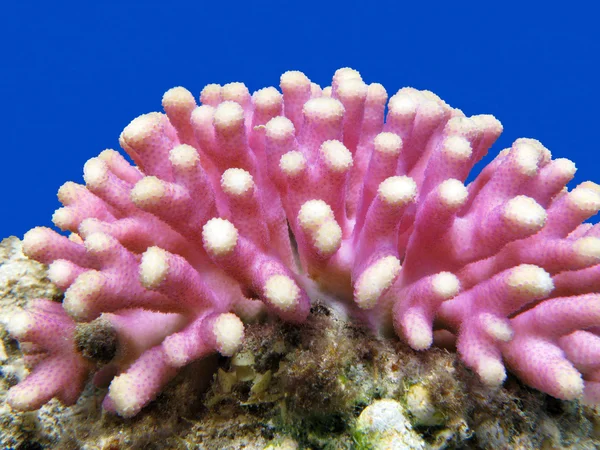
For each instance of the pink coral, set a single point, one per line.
(172, 254)
(46, 335)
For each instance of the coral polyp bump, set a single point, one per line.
(247, 204)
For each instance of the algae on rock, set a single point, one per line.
(311, 386)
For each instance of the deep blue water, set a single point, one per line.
(73, 76)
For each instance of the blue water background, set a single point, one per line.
(73, 74)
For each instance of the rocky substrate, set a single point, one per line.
(328, 384)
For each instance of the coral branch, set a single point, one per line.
(247, 203)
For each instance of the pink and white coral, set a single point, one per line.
(172, 254)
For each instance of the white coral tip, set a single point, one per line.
(313, 214)
(219, 236)
(228, 330)
(530, 281)
(154, 267)
(279, 128)
(184, 157)
(22, 399)
(417, 329)
(98, 242)
(282, 292)
(35, 240)
(337, 157)
(566, 167)
(453, 193)
(398, 190)
(95, 173)
(228, 115)
(267, 99)
(64, 218)
(294, 80)
(570, 383)
(491, 371)
(445, 285)
(527, 157)
(211, 94)
(525, 213)
(235, 92)
(19, 323)
(588, 247)
(292, 163)
(497, 328)
(346, 74)
(147, 192)
(387, 143)
(178, 97)
(352, 89)
(402, 104)
(59, 272)
(82, 293)
(140, 128)
(585, 198)
(236, 182)
(375, 280)
(328, 238)
(323, 109)
(457, 148)
(124, 395)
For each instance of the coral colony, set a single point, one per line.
(268, 200)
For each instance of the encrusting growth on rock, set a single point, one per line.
(172, 254)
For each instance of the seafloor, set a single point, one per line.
(327, 384)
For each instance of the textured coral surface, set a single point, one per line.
(317, 385)
(252, 204)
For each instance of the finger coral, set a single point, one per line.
(251, 202)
